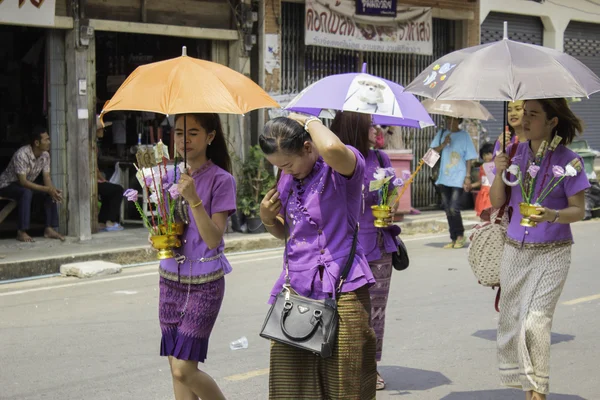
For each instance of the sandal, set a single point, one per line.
(460, 244)
(449, 246)
(380, 383)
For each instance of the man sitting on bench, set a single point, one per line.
(18, 182)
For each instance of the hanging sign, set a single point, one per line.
(334, 23)
(27, 12)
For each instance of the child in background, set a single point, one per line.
(483, 197)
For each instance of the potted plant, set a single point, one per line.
(255, 181)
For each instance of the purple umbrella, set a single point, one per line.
(386, 101)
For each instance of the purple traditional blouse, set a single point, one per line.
(216, 187)
(322, 212)
(544, 232)
(368, 235)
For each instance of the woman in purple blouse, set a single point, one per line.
(319, 196)
(355, 129)
(192, 285)
(536, 260)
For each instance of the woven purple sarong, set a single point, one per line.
(382, 272)
(186, 338)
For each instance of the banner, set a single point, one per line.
(380, 8)
(27, 12)
(334, 23)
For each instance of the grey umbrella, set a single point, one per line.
(505, 71)
(457, 108)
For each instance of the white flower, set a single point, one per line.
(513, 169)
(570, 170)
(153, 198)
(379, 174)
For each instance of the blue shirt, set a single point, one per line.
(453, 165)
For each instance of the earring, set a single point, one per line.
(209, 143)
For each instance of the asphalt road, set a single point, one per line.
(65, 338)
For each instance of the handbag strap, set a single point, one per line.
(349, 261)
(513, 151)
(379, 158)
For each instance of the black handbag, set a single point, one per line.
(302, 322)
(400, 260)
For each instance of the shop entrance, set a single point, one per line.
(23, 101)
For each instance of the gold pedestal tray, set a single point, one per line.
(527, 210)
(165, 245)
(382, 215)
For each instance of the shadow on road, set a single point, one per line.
(490, 334)
(406, 379)
(503, 394)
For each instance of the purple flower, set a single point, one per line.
(533, 170)
(174, 192)
(390, 171)
(131, 195)
(148, 181)
(398, 182)
(558, 171)
(406, 175)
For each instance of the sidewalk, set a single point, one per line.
(130, 246)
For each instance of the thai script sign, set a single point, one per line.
(333, 23)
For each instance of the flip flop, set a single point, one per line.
(380, 385)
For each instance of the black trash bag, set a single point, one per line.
(592, 201)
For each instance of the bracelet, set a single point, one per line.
(197, 204)
(268, 225)
(308, 121)
(556, 216)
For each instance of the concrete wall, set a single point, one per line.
(555, 15)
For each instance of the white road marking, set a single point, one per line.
(247, 375)
(234, 260)
(581, 300)
(125, 292)
(119, 278)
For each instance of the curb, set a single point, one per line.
(141, 254)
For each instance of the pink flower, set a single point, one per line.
(533, 170)
(406, 175)
(174, 192)
(558, 171)
(131, 195)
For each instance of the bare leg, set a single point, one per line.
(199, 382)
(181, 391)
(528, 395)
(537, 396)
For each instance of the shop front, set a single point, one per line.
(30, 46)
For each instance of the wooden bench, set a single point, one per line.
(8, 208)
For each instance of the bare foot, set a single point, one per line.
(50, 233)
(24, 237)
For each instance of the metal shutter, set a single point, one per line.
(582, 41)
(521, 28)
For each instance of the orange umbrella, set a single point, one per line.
(188, 85)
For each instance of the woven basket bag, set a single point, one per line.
(487, 246)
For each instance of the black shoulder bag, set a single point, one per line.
(302, 322)
(400, 259)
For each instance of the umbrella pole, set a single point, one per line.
(185, 142)
(505, 126)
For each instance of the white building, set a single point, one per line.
(572, 26)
